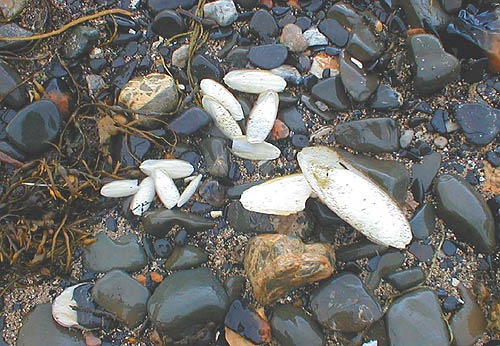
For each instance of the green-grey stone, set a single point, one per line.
(359, 83)
(118, 293)
(387, 264)
(331, 91)
(245, 221)
(427, 169)
(378, 135)
(159, 222)
(186, 301)
(423, 222)
(105, 254)
(291, 326)
(363, 45)
(345, 14)
(469, 323)
(184, 257)
(81, 41)
(420, 11)
(416, 317)
(216, 156)
(236, 190)
(433, 67)
(39, 328)
(234, 286)
(13, 93)
(13, 30)
(406, 279)
(361, 249)
(465, 211)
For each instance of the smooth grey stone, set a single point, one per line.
(433, 67)
(343, 304)
(420, 13)
(335, 32)
(386, 98)
(378, 135)
(13, 30)
(360, 84)
(83, 38)
(415, 317)
(216, 156)
(469, 323)
(159, 222)
(480, 123)
(190, 121)
(234, 286)
(427, 169)
(187, 301)
(331, 91)
(268, 56)
(185, 257)
(291, 326)
(465, 211)
(423, 222)
(236, 190)
(222, 11)
(11, 91)
(363, 45)
(39, 328)
(293, 119)
(345, 14)
(388, 263)
(406, 138)
(168, 23)
(263, 24)
(361, 249)
(406, 279)
(237, 58)
(203, 67)
(308, 102)
(128, 254)
(245, 221)
(119, 293)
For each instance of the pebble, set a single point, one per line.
(11, 8)
(363, 45)
(168, 23)
(331, 91)
(480, 123)
(268, 56)
(14, 30)
(386, 98)
(247, 323)
(244, 221)
(293, 119)
(406, 138)
(288, 73)
(180, 56)
(469, 323)
(320, 63)
(292, 326)
(190, 121)
(358, 250)
(300, 141)
(315, 38)
(440, 142)
(204, 67)
(449, 248)
(216, 156)
(406, 279)
(345, 14)
(422, 252)
(162, 247)
(234, 286)
(359, 83)
(222, 11)
(185, 257)
(450, 304)
(423, 222)
(159, 222)
(14, 95)
(292, 37)
(82, 40)
(422, 12)
(212, 193)
(427, 169)
(156, 6)
(387, 264)
(263, 24)
(335, 32)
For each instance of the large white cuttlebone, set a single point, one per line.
(223, 96)
(221, 117)
(254, 81)
(354, 197)
(262, 117)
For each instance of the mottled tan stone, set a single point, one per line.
(276, 264)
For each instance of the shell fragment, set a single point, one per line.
(259, 151)
(62, 308)
(189, 190)
(280, 196)
(175, 168)
(262, 116)
(254, 81)
(165, 188)
(354, 197)
(120, 188)
(144, 197)
(221, 116)
(223, 96)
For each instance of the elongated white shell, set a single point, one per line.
(120, 188)
(144, 197)
(259, 151)
(189, 190)
(354, 197)
(262, 117)
(223, 96)
(221, 116)
(280, 196)
(62, 310)
(254, 81)
(175, 168)
(165, 188)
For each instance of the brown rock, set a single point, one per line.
(276, 264)
(280, 130)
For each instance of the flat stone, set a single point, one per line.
(268, 56)
(386, 98)
(174, 315)
(276, 264)
(244, 221)
(216, 156)
(159, 222)
(377, 135)
(360, 84)
(263, 24)
(38, 328)
(212, 193)
(13, 30)
(81, 41)
(363, 45)
(469, 323)
(292, 326)
(480, 123)
(190, 121)
(168, 23)
(289, 73)
(465, 211)
(15, 96)
(185, 257)
(420, 13)
(423, 222)
(414, 317)
(406, 279)
(180, 56)
(35, 126)
(331, 91)
(128, 255)
(343, 304)
(335, 32)
(434, 68)
(427, 169)
(235, 191)
(222, 11)
(247, 323)
(120, 294)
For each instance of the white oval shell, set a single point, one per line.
(165, 188)
(62, 310)
(223, 96)
(280, 196)
(254, 81)
(262, 116)
(221, 116)
(189, 190)
(259, 151)
(354, 197)
(144, 197)
(175, 168)
(120, 188)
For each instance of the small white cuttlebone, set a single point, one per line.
(144, 197)
(257, 152)
(221, 116)
(254, 81)
(62, 308)
(223, 96)
(189, 190)
(165, 188)
(175, 168)
(262, 117)
(354, 197)
(120, 188)
(280, 196)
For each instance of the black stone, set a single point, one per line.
(480, 123)
(423, 252)
(300, 141)
(163, 248)
(375, 135)
(386, 98)
(418, 191)
(212, 193)
(449, 248)
(156, 6)
(203, 67)
(168, 23)
(427, 169)
(159, 222)
(424, 221)
(247, 323)
(493, 158)
(331, 91)
(268, 56)
(216, 156)
(263, 24)
(450, 304)
(190, 121)
(83, 39)
(335, 32)
(359, 83)
(293, 119)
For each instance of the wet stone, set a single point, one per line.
(14, 96)
(359, 83)
(168, 23)
(163, 247)
(204, 67)
(82, 40)
(414, 317)
(427, 169)
(13, 30)
(361, 249)
(369, 135)
(293, 119)
(424, 13)
(335, 32)
(345, 14)
(423, 252)
(128, 254)
(268, 56)
(450, 304)
(331, 91)
(276, 264)
(263, 24)
(480, 124)
(292, 326)
(465, 211)
(343, 304)
(216, 156)
(35, 126)
(244, 221)
(386, 98)
(190, 121)
(118, 293)
(449, 248)
(247, 323)
(234, 286)
(82, 295)
(177, 317)
(300, 141)
(423, 222)
(388, 263)
(185, 257)
(406, 279)
(212, 193)
(159, 222)
(363, 45)
(469, 323)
